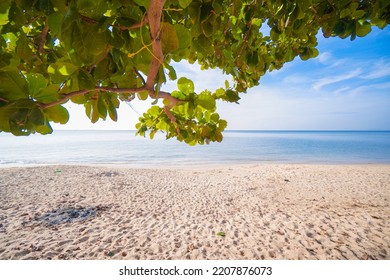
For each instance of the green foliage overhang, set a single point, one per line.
(99, 53)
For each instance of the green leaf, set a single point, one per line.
(112, 104)
(59, 71)
(362, 29)
(162, 125)
(185, 85)
(55, 23)
(177, 94)
(89, 43)
(169, 39)
(257, 22)
(154, 111)
(184, 3)
(171, 72)
(48, 94)
(344, 13)
(142, 3)
(57, 114)
(221, 233)
(23, 49)
(143, 95)
(44, 129)
(102, 107)
(206, 101)
(13, 85)
(44, 6)
(36, 82)
(4, 17)
(92, 110)
(85, 80)
(21, 117)
(183, 35)
(215, 117)
(231, 96)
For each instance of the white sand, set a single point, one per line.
(266, 212)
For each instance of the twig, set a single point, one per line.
(134, 26)
(43, 36)
(106, 52)
(4, 100)
(172, 118)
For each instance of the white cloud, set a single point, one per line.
(335, 79)
(324, 58)
(380, 69)
(296, 79)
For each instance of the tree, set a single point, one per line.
(99, 53)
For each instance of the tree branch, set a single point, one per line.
(43, 36)
(172, 118)
(154, 18)
(134, 26)
(85, 91)
(4, 100)
(166, 95)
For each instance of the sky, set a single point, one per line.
(347, 87)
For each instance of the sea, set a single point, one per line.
(125, 148)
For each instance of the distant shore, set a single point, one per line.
(256, 211)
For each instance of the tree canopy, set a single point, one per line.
(99, 53)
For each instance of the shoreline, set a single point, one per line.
(187, 165)
(266, 211)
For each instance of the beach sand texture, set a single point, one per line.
(268, 211)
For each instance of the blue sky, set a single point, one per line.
(347, 87)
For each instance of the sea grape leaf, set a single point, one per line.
(57, 114)
(184, 36)
(102, 107)
(143, 95)
(13, 85)
(45, 128)
(85, 80)
(23, 49)
(21, 117)
(55, 23)
(169, 39)
(154, 111)
(36, 82)
(179, 95)
(206, 101)
(48, 94)
(112, 104)
(185, 85)
(362, 29)
(59, 71)
(184, 3)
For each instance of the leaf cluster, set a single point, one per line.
(99, 53)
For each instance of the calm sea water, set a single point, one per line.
(123, 147)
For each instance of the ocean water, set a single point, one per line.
(123, 147)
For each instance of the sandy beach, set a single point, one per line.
(268, 211)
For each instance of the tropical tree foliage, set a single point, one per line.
(99, 53)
